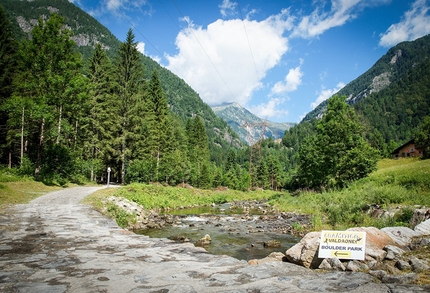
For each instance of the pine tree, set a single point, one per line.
(129, 77)
(48, 89)
(8, 67)
(101, 123)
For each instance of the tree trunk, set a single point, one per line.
(59, 124)
(22, 136)
(39, 152)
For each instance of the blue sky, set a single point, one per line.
(279, 59)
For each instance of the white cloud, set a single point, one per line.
(115, 5)
(270, 109)
(292, 80)
(227, 7)
(141, 47)
(326, 93)
(319, 21)
(340, 12)
(415, 24)
(217, 61)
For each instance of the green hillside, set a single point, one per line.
(392, 97)
(87, 32)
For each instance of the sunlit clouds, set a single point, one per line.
(414, 24)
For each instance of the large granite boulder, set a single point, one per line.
(423, 228)
(402, 236)
(376, 240)
(305, 253)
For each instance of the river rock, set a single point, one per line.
(394, 251)
(356, 266)
(417, 265)
(423, 228)
(401, 235)
(206, 240)
(402, 265)
(399, 279)
(376, 240)
(273, 257)
(305, 253)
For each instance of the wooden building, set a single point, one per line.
(408, 149)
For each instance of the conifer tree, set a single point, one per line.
(129, 77)
(8, 67)
(100, 147)
(48, 90)
(160, 135)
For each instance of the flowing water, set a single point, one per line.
(241, 235)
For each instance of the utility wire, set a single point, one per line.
(249, 44)
(134, 28)
(174, 23)
(206, 54)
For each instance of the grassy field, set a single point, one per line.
(16, 189)
(401, 183)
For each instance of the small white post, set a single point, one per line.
(108, 179)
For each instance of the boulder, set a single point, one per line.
(356, 266)
(273, 257)
(417, 265)
(206, 240)
(423, 228)
(394, 250)
(376, 240)
(402, 265)
(399, 279)
(305, 253)
(401, 235)
(420, 215)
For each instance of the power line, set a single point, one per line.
(134, 28)
(247, 38)
(174, 23)
(206, 54)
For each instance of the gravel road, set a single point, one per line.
(55, 244)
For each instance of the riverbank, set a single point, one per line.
(55, 244)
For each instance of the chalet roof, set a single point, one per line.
(403, 145)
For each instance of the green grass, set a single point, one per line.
(159, 197)
(404, 182)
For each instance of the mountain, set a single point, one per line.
(248, 126)
(182, 99)
(391, 98)
(388, 70)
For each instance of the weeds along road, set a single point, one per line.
(55, 244)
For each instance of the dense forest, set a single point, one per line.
(71, 111)
(67, 118)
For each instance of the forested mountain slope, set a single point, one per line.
(390, 69)
(248, 126)
(392, 97)
(182, 99)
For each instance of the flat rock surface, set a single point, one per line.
(55, 244)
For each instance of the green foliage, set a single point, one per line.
(396, 183)
(155, 196)
(422, 137)
(338, 153)
(123, 219)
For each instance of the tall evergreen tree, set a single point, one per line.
(101, 123)
(48, 90)
(129, 75)
(8, 67)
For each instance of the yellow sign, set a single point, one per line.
(342, 244)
